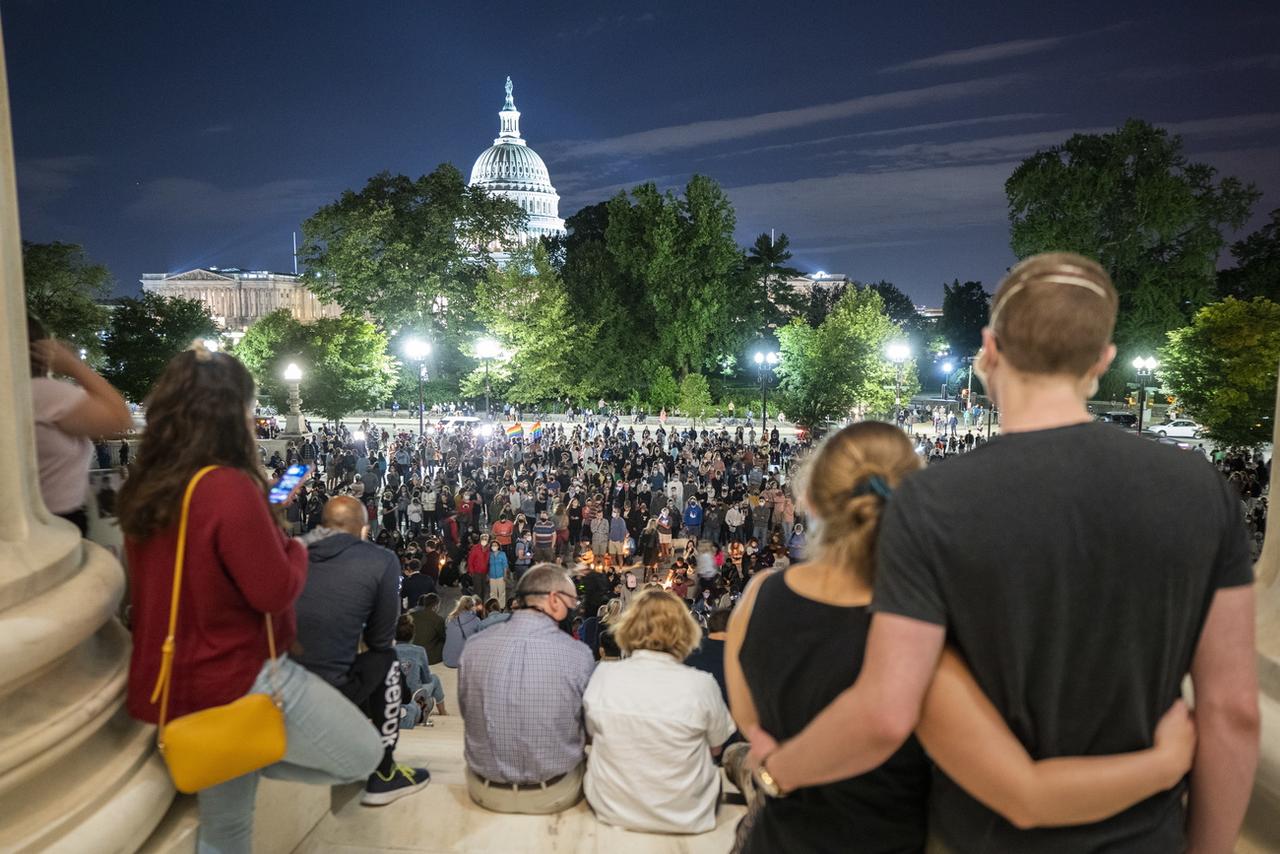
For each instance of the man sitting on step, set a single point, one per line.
(520, 687)
(353, 594)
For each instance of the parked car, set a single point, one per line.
(1124, 419)
(1179, 428)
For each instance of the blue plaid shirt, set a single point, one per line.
(520, 687)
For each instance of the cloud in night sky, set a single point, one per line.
(695, 134)
(980, 54)
(49, 178)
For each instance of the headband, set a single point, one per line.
(1064, 275)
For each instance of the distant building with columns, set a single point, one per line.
(236, 298)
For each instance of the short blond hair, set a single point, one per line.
(1054, 314)
(657, 620)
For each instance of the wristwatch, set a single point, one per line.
(766, 783)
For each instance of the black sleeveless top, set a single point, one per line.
(797, 656)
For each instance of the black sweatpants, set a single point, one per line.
(375, 683)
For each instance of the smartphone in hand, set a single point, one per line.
(285, 486)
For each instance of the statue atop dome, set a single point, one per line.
(510, 104)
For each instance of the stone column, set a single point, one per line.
(76, 774)
(1262, 827)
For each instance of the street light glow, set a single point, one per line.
(210, 344)
(487, 348)
(759, 357)
(292, 373)
(898, 351)
(1147, 363)
(417, 349)
(947, 367)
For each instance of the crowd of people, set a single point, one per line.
(983, 655)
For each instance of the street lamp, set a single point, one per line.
(765, 363)
(486, 349)
(947, 368)
(293, 423)
(1145, 367)
(898, 352)
(418, 350)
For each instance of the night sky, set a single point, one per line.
(165, 136)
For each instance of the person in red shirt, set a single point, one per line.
(239, 565)
(478, 566)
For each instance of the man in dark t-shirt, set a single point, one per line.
(1081, 572)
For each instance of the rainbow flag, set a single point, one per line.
(537, 431)
(515, 430)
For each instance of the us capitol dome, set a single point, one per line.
(511, 168)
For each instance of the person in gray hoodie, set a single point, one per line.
(353, 594)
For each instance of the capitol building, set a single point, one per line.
(511, 168)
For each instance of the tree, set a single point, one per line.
(1134, 202)
(1257, 270)
(525, 305)
(145, 333)
(695, 395)
(900, 307)
(772, 300)
(822, 301)
(64, 290)
(344, 361)
(410, 253)
(664, 392)
(680, 255)
(825, 371)
(964, 313)
(1223, 369)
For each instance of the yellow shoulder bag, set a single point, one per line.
(217, 744)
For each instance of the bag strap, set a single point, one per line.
(165, 677)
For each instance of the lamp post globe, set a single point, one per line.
(1145, 367)
(486, 349)
(765, 361)
(897, 352)
(418, 349)
(293, 421)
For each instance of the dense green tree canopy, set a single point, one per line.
(410, 252)
(1257, 270)
(525, 307)
(1151, 217)
(344, 362)
(964, 313)
(1223, 369)
(772, 302)
(828, 370)
(64, 290)
(145, 333)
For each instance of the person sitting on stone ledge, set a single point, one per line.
(426, 694)
(520, 687)
(428, 627)
(352, 595)
(463, 622)
(239, 566)
(656, 724)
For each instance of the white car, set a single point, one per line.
(1179, 428)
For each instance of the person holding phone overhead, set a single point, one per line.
(239, 565)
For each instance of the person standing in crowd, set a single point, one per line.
(527, 756)
(1121, 604)
(655, 724)
(67, 417)
(239, 566)
(617, 539)
(415, 584)
(544, 538)
(351, 597)
(498, 569)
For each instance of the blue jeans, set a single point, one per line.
(413, 712)
(330, 741)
